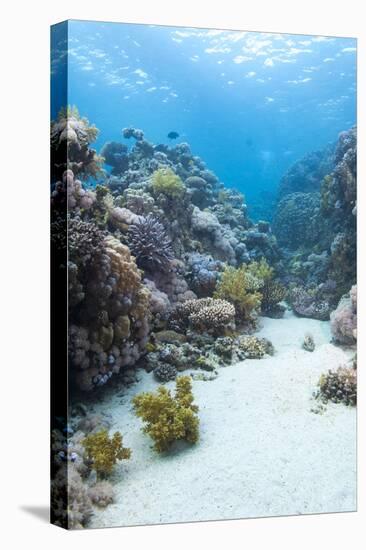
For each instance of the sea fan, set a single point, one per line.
(150, 244)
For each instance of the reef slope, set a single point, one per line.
(262, 451)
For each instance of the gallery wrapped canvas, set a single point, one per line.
(204, 299)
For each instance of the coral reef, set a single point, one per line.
(169, 418)
(165, 372)
(103, 451)
(343, 321)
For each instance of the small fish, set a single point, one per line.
(173, 135)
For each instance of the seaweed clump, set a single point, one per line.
(167, 418)
(103, 451)
(166, 182)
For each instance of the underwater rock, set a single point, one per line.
(102, 493)
(308, 342)
(309, 302)
(343, 321)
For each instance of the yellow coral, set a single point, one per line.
(104, 451)
(165, 181)
(237, 286)
(169, 418)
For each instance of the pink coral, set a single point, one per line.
(343, 321)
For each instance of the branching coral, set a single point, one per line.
(103, 451)
(238, 287)
(165, 372)
(339, 386)
(167, 418)
(165, 181)
(71, 136)
(150, 244)
(205, 315)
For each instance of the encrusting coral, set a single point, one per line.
(103, 451)
(169, 418)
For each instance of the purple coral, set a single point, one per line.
(150, 244)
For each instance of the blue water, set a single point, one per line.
(250, 104)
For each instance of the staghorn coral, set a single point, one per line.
(164, 181)
(343, 321)
(339, 386)
(169, 418)
(150, 244)
(103, 451)
(239, 287)
(71, 136)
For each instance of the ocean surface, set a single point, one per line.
(249, 104)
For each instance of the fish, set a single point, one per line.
(173, 135)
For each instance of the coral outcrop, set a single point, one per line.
(343, 321)
(71, 136)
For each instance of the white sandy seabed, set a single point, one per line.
(262, 452)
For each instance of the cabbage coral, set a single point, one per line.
(169, 418)
(237, 287)
(103, 451)
(150, 244)
(165, 181)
